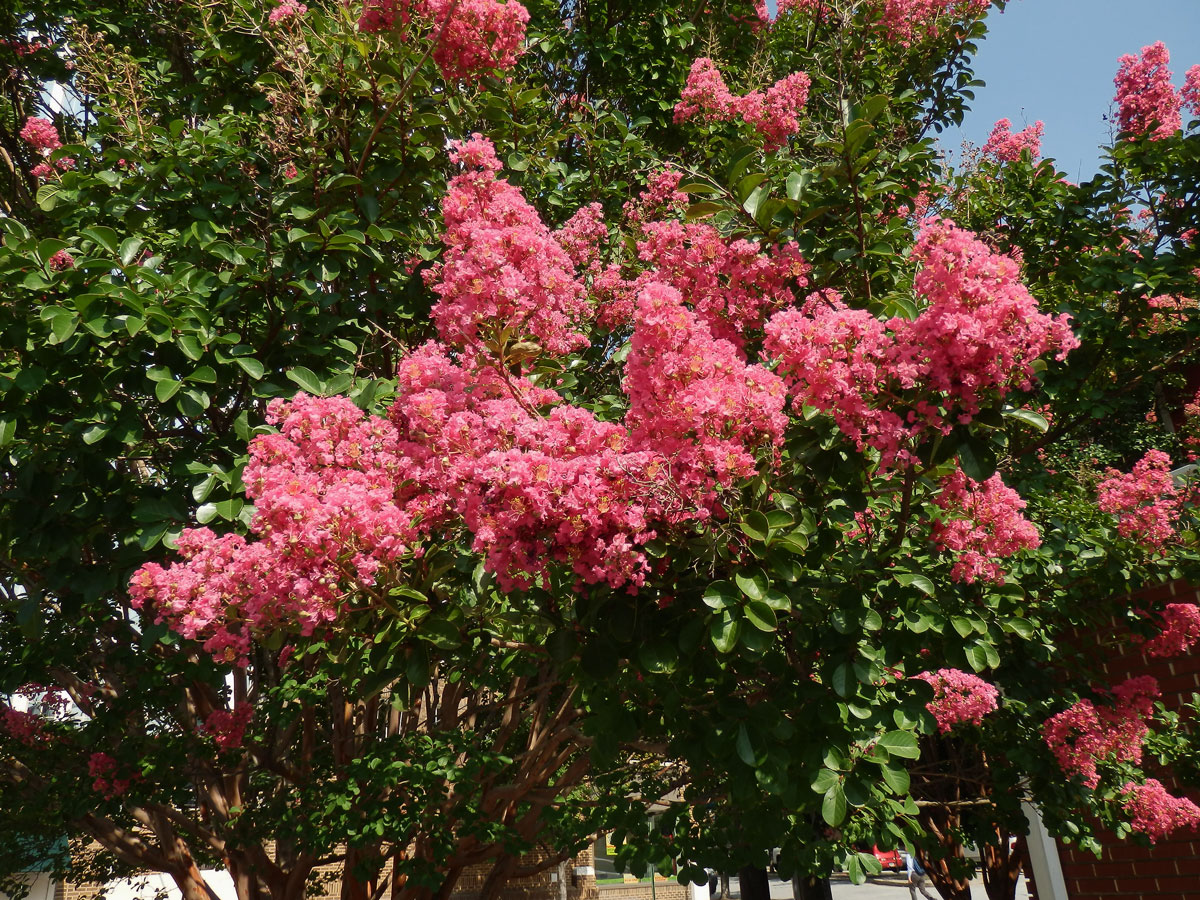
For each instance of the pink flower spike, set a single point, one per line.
(1146, 101)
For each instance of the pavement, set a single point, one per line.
(883, 887)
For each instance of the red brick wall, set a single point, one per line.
(1171, 868)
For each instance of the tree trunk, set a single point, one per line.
(810, 887)
(753, 883)
(940, 821)
(724, 895)
(1001, 867)
(245, 880)
(191, 883)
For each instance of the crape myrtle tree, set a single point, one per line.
(672, 424)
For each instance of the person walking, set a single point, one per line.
(917, 879)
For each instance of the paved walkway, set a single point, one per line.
(884, 887)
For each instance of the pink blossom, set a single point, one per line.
(1146, 101)
(983, 524)
(474, 37)
(503, 273)
(982, 328)
(286, 11)
(887, 383)
(1145, 501)
(61, 260)
(1084, 735)
(958, 698)
(1005, 146)
(40, 134)
(694, 400)
(580, 236)
(1190, 92)
(910, 21)
(103, 769)
(661, 196)
(1157, 813)
(839, 360)
(774, 114)
(1180, 631)
(26, 727)
(228, 726)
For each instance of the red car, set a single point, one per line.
(889, 859)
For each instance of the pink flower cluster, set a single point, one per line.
(1157, 813)
(773, 113)
(1180, 631)
(474, 37)
(103, 769)
(958, 697)
(1145, 501)
(286, 12)
(910, 21)
(342, 496)
(732, 285)
(1147, 103)
(581, 236)
(228, 726)
(61, 260)
(1190, 92)
(40, 134)
(1005, 146)
(503, 272)
(25, 727)
(1084, 735)
(336, 501)
(977, 337)
(694, 400)
(984, 524)
(660, 197)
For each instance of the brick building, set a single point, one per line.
(1170, 870)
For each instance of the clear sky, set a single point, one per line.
(1054, 60)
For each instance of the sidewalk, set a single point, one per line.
(883, 887)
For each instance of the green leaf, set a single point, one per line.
(753, 583)
(103, 236)
(896, 778)
(204, 375)
(307, 380)
(165, 390)
(724, 633)
(761, 616)
(8, 431)
(190, 346)
(833, 807)
(755, 526)
(745, 750)
(251, 366)
(130, 247)
(720, 595)
(977, 459)
(438, 631)
(911, 579)
(1020, 627)
(1034, 420)
(95, 433)
(900, 743)
(844, 681)
(826, 779)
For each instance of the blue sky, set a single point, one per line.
(1054, 60)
